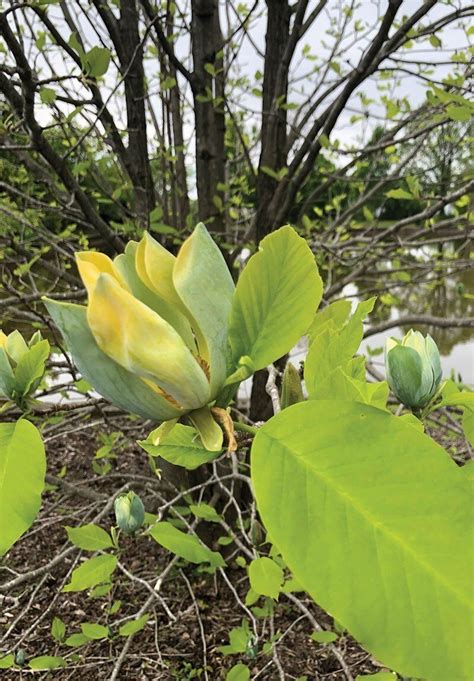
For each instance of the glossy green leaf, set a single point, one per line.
(47, 95)
(457, 398)
(239, 640)
(275, 300)
(16, 345)
(338, 385)
(184, 545)
(7, 378)
(459, 113)
(89, 537)
(76, 640)
(116, 384)
(92, 572)
(96, 61)
(468, 425)
(399, 194)
(22, 471)
(181, 446)
(266, 577)
(374, 520)
(468, 471)
(58, 629)
(352, 333)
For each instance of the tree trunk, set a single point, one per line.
(182, 208)
(274, 117)
(209, 111)
(131, 60)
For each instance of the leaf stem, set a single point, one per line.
(245, 428)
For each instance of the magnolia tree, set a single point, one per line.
(363, 510)
(122, 126)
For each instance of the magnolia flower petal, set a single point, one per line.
(435, 361)
(390, 343)
(211, 434)
(142, 342)
(405, 375)
(414, 340)
(91, 264)
(154, 265)
(204, 284)
(125, 264)
(118, 386)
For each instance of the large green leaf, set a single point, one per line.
(275, 300)
(339, 385)
(116, 384)
(22, 471)
(204, 284)
(375, 521)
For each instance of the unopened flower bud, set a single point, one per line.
(129, 512)
(413, 368)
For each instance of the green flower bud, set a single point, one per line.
(129, 512)
(291, 388)
(413, 368)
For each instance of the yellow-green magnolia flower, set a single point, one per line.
(153, 338)
(165, 336)
(413, 368)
